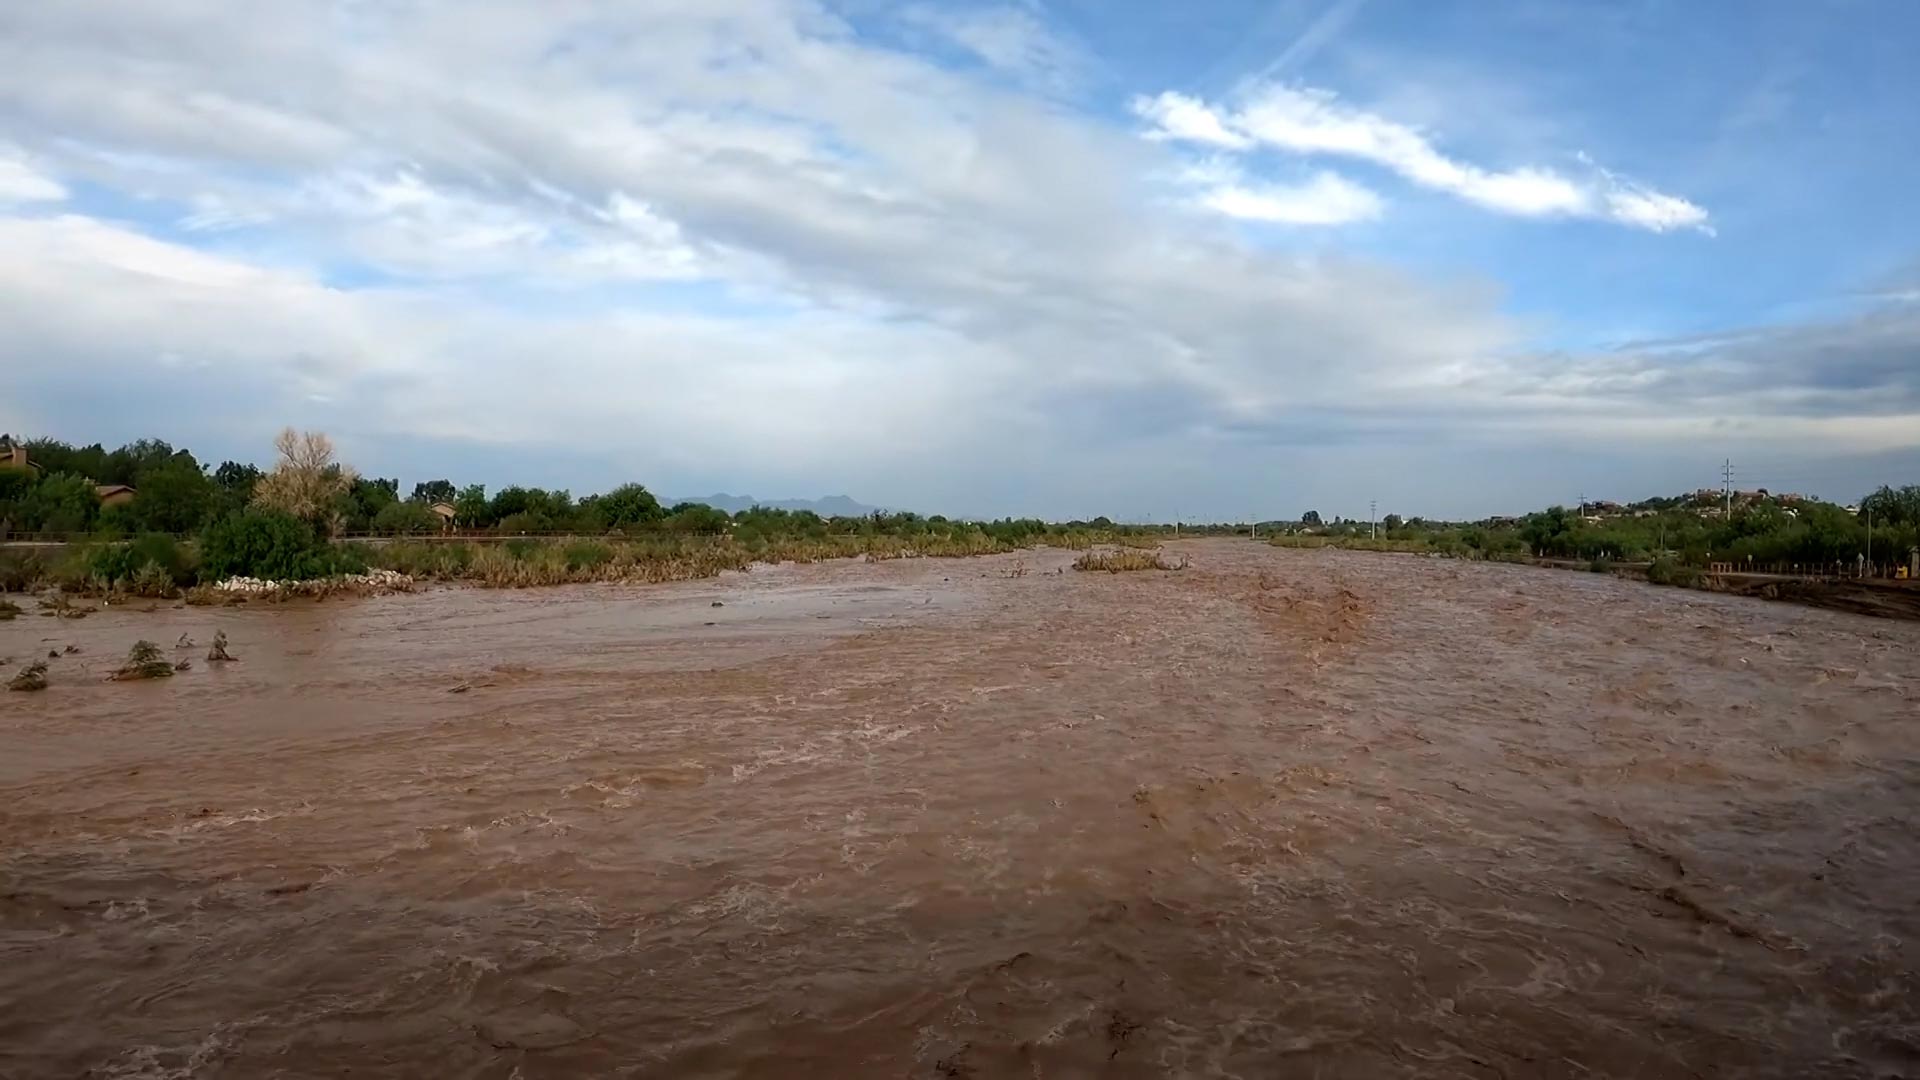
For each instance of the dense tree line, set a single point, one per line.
(247, 520)
(283, 521)
(1762, 532)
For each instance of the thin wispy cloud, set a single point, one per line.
(1314, 122)
(1325, 198)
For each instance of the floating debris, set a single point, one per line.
(717, 603)
(144, 662)
(184, 665)
(218, 653)
(70, 650)
(53, 654)
(185, 642)
(461, 689)
(31, 677)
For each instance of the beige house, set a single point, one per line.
(443, 511)
(13, 455)
(114, 494)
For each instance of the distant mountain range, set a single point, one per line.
(830, 506)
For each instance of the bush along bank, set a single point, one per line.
(259, 552)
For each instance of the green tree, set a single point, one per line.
(1391, 522)
(129, 463)
(173, 496)
(15, 484)
(628, 505)
(1893, 506)
(1311, 517)
(54, 456)
(363, 501)
(472, 508)
(698, 519)
(62, 503)
(433, 491)
(234, 484)
(405, 518)
(1551, 532)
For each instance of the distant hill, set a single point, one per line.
(830, 506)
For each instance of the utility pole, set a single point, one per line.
(1583, 504)
(1726, 484)
(1373, 517)
(1869, 539)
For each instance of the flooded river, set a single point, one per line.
(1281, 814)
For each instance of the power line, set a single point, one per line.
(1726, 483)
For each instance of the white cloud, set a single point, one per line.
(1311, 121)
(1177, 117)
(1326, 199)
(20, 182)
(1652, 210)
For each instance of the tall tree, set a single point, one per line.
(629, 504)
(174, 496)
(306, 481)
(471, 508)
(433, 491)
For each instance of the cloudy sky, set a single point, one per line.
(1059, 257)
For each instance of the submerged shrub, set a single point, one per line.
(31, 677)
(1126, 559)
(151, 579)
(144, 661)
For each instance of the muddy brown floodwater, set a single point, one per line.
(1281, 814)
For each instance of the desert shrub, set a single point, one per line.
(119, 564)
(520, 548)
(1668, 571)
(424, 560)
(151, 579)
(1601, 566)
(22, 571)
(587, 555)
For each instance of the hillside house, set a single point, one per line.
(114, 494)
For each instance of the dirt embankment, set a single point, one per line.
(1885, 599)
